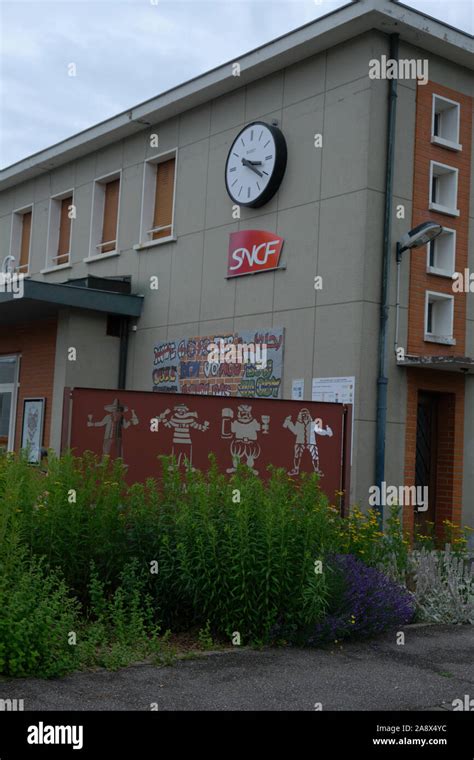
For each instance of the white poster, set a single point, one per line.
(338, 390)
(297, 390)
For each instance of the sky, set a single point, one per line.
(127, 51)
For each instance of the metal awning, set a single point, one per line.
(32, 299)
(445, 363)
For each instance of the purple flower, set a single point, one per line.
(364, 602)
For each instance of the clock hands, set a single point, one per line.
(252, 165)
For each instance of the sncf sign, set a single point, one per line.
(253, 251)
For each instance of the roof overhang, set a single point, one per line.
(25, 300)
(349, 21)
(462, 364)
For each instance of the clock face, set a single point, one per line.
(256, 164)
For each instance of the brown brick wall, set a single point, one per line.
(36, 342)
(450, 439)
(420, 280)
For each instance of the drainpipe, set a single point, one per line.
(123, 352)
(382, 380)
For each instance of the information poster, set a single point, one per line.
(339, 390)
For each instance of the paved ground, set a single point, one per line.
(434, 667)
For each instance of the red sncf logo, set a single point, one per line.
(253, 251)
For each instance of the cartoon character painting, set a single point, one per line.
(305, 430)
(114, 423)
(182, 421)
(244, 447)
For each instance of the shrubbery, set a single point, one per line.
(364, 602)
(81, 551)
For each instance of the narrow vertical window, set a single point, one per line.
(64, 241)
(25, 242)
(164, 194)
(110, 218)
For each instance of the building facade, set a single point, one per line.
(122, 233)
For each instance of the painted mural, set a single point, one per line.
(183, 365)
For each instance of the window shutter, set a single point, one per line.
(163, 213)
(109, 229)
(25, 241)
(64, 232)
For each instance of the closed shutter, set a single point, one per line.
(64, 232)
(164, 192)
(25, 242)
(109, 229)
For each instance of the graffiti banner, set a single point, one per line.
(138, 426)
(187, 365)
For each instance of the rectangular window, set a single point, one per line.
(8, 397)
(439, 317)
(445, 123)
(25, 242)
(105, 216)
(64, 243)
(110, 219)
(164, 193)
(442, 254)
(21, 235)
(61, 209)
(443, 189)
(158, 199)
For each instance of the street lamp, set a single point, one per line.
(418, 236)
(415, 238)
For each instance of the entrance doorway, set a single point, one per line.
(427, 453)
(8, 393)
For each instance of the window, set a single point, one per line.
(105, 214)
(21, 238)
(439, 316)
(61, 213)
(8, 393)
(442, 254)
(443, 189)
(445, 123)
(158, 199)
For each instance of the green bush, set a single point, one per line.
(36, 620)
(192, 550)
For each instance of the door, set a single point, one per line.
(8, 392)
(426, 453)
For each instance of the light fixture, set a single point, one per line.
(418, 236)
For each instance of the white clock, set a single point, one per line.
(256, 164)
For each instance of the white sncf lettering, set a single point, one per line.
(254, 257)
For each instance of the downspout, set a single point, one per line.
(382, 380)
(123, 353)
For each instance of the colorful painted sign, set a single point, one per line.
(253, 251)
(188, 365)
(138, 426)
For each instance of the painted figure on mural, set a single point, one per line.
(182, 421)
(305, 430)
(244, 447)
(114, 423)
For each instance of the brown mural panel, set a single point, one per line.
(299, 436)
